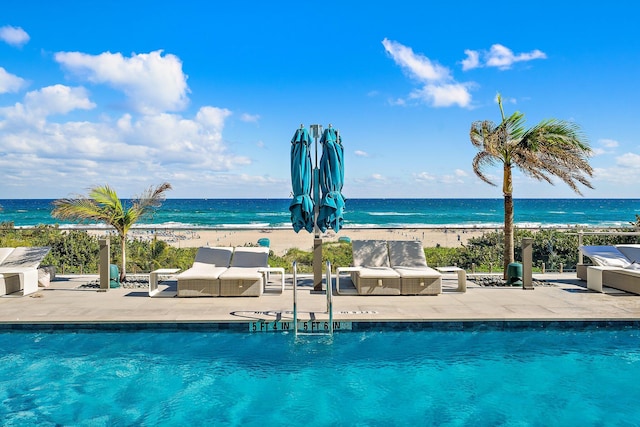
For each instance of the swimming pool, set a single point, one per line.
(146, 377)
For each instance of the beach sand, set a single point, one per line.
(281, 240)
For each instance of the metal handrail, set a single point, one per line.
(295, 298)
(329, 298)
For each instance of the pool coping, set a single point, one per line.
(356, 326)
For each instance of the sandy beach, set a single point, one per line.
(281, 240)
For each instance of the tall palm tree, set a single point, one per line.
(103, 205)
(551, 148)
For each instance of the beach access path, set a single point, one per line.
(69, 301)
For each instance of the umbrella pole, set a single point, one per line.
(317, 241)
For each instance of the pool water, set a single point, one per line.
(412, 378)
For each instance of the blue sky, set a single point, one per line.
(207, 95)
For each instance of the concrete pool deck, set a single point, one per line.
(66, 301)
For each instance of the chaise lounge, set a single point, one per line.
(416, 277)
(19, 269)
(247, 274)
(203, 278)
(615, 267)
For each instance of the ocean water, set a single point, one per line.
(402, 378)
(385, 213)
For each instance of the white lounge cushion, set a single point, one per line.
(4, 253)
(370, 253)
(25, 257)
(241, 273)
(632, 252)
(406, 253)
(414, 272)
(250, 257)
(213, 256)
(377, 273)
(604, 255)
(201, 273)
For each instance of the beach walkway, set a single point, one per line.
(69, 301)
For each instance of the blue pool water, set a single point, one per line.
(483, 378)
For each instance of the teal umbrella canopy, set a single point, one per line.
(301, 206)
(331, 210)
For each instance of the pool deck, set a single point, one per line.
(66, 301)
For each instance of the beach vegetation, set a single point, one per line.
(552, 148)
(103, 205)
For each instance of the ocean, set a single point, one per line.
(360, 213)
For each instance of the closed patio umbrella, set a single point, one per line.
(331, 180)
(301, 206)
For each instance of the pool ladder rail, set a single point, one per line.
(329, 302)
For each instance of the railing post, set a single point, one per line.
(580, 258)
(104, 265)
(527, 263)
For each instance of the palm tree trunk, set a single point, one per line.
(507, 190)
(508, 254)
(123, 244)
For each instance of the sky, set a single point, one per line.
(207, 95)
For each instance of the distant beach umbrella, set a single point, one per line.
(301, 206)
(331, 210)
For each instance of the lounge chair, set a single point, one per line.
(614, 266)
(19, 269)
(372, 273)
(416, 277)
(203, 278)
(247, 274)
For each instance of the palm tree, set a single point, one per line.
(103, 205)
(551, 148)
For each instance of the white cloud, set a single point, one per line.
(498, 56)
(250, 118)
(58, 99)
(361, 153)
(443, 95)
(472, 61)
(68, 156)
(15, 36)
(378, 177)
(440, 89)
(629, 160)
(10, 82)
(424, 177)
(608, 143)
(152, 82)
(418, 66)
(460, 173)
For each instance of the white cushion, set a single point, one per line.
(200, 272)
(250, 257)
(632, 252)
(4, 253)
(241, 273)
(604, 255)
(370, 253)
(219, 256)
(413, 272)
(406, 253)
(378, 273)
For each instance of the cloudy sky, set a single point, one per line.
(207, 96)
